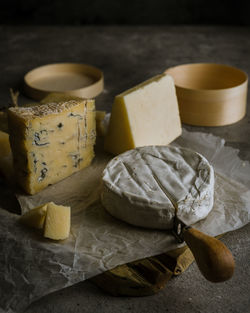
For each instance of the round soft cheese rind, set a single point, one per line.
(145, 186)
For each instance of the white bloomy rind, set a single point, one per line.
(146, 185)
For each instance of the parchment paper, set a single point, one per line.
(32, 266)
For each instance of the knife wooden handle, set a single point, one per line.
(213, 258)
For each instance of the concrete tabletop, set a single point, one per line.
(127, 56)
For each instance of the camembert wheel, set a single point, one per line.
(146, 186)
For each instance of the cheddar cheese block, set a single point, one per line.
(57, 222)
(51, 141)
(145, 115)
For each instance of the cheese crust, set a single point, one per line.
(147, 186)
(51, 141)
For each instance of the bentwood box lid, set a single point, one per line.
(74, 79)
(210, 94)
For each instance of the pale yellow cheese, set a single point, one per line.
(3, 121)
(35, 217)
(4, 144)
(100, 127)
(57, 222)
(4, 117)
(6, 166)
(51, 141)
(145, 115)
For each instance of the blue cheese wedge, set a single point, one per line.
(51, 141)
(148, 186)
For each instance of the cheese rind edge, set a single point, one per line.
(51, 141)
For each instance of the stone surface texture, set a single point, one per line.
(127, 56)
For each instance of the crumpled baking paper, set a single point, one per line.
(32, 266)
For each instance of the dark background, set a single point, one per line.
(121, 12)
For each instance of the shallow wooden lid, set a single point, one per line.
(74, 79)
(210, 94)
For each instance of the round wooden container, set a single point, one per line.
(210, 94)
(80, 80)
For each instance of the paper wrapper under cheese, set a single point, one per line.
(99, 242)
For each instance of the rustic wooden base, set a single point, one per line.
(144, 277)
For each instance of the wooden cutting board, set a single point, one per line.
(144, 277)
(147, 276)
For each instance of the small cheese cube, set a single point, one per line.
(51, 141)
(57, 222)
(35, 217)
(145, 115)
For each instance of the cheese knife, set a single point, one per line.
(214, 260)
